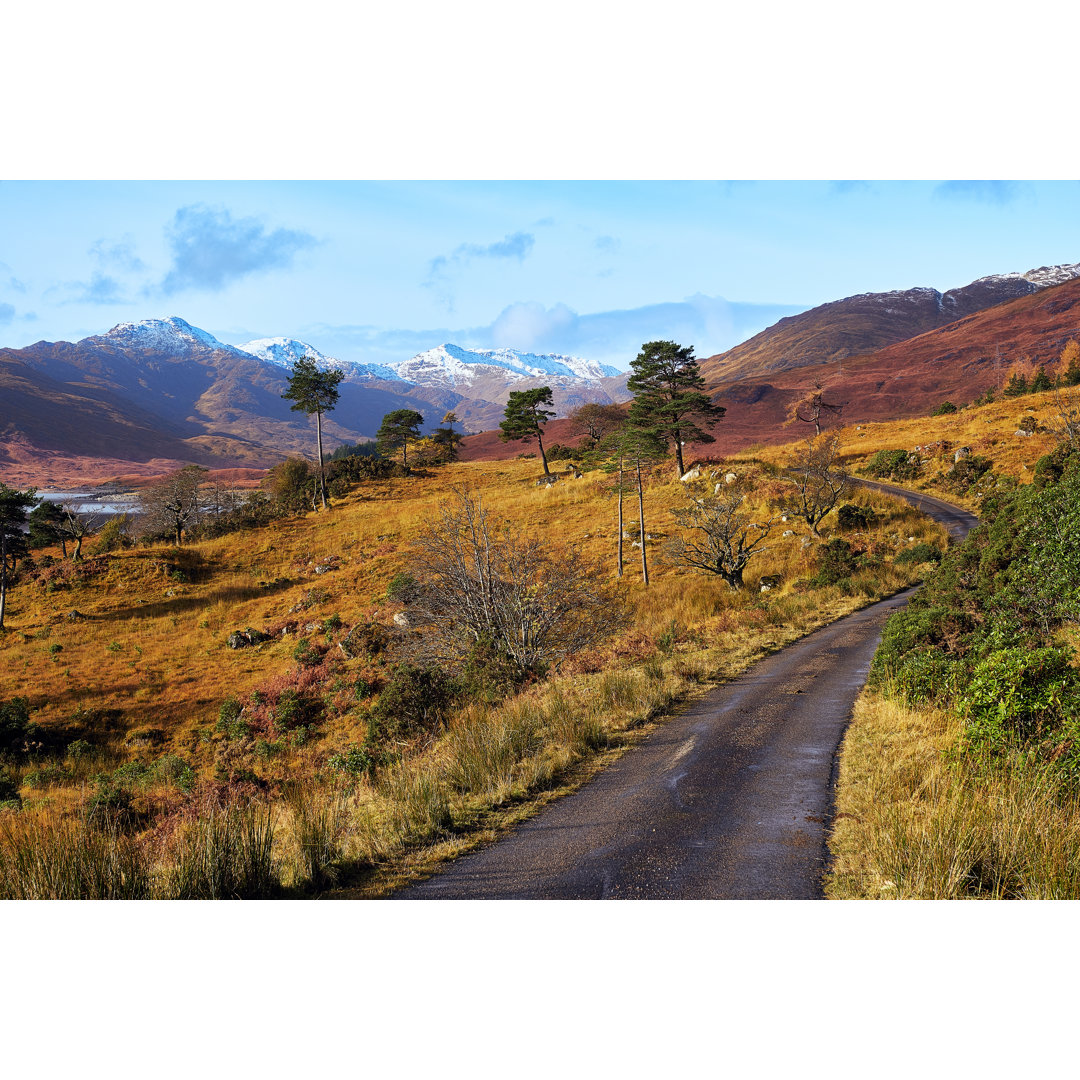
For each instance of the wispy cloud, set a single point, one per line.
(997, 192)
(607, 244)
(210, 249)
(120, 254)
(443, 268)
(709, 323)
(7, 314)
(848, 187)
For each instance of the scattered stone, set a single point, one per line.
(730, 478)
(789, 532)
(402, 620)
(312, 628)
(74, 615)
(961, 453)
(1022, 432)
(770, 581)
(692, 474)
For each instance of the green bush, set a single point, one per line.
(14, 724)
(1019, 694)
(919, 553)
(895, 465)
(838, 561)
(944, 409)
(853, 516)
(415, 700)
(967, 472)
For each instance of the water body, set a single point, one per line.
(91, 503)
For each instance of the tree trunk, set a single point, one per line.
(678, 454)
(3, 575)
(543, 456)
(322, 480)
(620, 516)
(76, 555)
(641, 519)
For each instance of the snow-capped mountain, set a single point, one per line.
(172, 335)
(284, 352)
(451, 365)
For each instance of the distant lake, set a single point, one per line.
(89, 503)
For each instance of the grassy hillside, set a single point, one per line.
(300, 762)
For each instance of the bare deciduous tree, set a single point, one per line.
(820, 482)
(171, 504)
(477, 582)
(722, 537)
(810, 408)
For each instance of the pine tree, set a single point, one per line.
(397, 430)
(669, 396)
(14, 509)
(525, 417)
(314, 391)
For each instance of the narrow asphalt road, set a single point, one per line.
(729, 800)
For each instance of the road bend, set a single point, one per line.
(732, 799)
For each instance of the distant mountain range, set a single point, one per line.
(148, 395)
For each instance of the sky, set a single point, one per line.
(377, 271)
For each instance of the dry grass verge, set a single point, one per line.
(915, 821)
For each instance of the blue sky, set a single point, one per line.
(376, 271)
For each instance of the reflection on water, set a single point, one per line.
(89, 503)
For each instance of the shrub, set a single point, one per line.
(9, 789)
(944, 409)
(919, 553)
(14, 724)
(1018, 694)
(853, 516)
(415, 700)
(895, 465)
(967, 472)
(354, 762)
(838, 561)
(230, 722)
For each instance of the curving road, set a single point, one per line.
(729, 800)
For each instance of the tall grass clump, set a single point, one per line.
(225, 853)
(70, 859)
(319, 821)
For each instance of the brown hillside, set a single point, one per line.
(857, 325)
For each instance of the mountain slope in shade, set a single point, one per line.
(869, 321)
(956, 363)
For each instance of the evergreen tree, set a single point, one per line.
(446, 438)
(630, 451)
(525, 417)
(398, 428)
(669, 396)
(46, 523)
(314, 391)
(1041, 381)
(14, 511)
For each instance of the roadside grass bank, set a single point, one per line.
(916, 820)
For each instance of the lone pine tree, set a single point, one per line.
(314, 391)
(525, 417)
(397, 430)
(669, 396)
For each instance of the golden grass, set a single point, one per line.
(914, 823)
(145, 670)
(989, 430)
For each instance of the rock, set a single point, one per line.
(770, 581)
(961, 453)
(693, 474)
(1021, 431)
(312, 628)
(402, 620)
(238, 640)
(789, 532)
(74, 615)
(730, 478)
(783, 517)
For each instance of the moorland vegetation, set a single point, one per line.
(268, 699)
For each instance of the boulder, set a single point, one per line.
(402, 620)
(692, 474)
(961, 453)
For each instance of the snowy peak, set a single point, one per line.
(284, 352)
(172, 335)
(451, 365)
(1042, 277)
